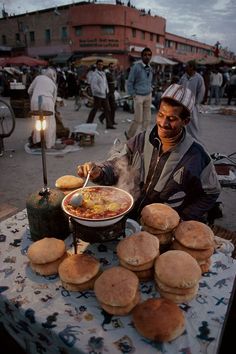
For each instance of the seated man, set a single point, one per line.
(164, 165)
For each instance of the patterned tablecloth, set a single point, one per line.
(45, 318)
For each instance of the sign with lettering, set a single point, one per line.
(99, 42)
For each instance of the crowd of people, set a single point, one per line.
(167, 162)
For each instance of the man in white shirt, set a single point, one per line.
(99, 88)
(216, 80)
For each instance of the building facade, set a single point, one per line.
(82, 29)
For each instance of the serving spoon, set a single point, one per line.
(77, 199)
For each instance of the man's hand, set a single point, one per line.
(84, 169)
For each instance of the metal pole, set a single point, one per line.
(45, 181)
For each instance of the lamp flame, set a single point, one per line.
(40, 123)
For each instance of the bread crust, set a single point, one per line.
(137, 250)
(177, 291)
(198, 254)
(116, 286)
(46, 250)
(48, 268)
(159, 320)
(177, 269)
(195, 235)
(78, 268)
(121, 310)
(139, 268)
(160, 216)
(177, 298)
(69, 182)
(88, 285)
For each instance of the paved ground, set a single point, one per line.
(21, 173)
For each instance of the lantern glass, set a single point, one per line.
(40, 124)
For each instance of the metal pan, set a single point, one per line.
(103, 221)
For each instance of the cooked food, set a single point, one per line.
(138, 253)
(99, 203)
(177, 269)
(117, 290)
(160, 216)
(69, 182)
(195, 235)
(159, 320)
(45, 255)
(78, 272)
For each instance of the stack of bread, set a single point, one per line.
(78, 272)
(177, 276)
(69, 183)
(197, 239)
(160, 220)
(116, 290)
(138, 253)
(159, 320)
(46, 255)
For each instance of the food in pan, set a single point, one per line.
(99, 203)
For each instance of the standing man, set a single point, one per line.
(195, 82)
(45, 86)
(139, 86)
(216, 80)
(99, 88)
(110, 74)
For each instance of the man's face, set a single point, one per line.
(146, 57)
(190, 70)
(169, 122)
(100, 66)
(111, 67)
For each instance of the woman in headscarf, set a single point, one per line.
(45, 86)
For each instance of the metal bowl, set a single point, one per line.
(98, 222)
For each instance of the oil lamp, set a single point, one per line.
(45, 215)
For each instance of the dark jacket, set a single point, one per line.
(184, 177)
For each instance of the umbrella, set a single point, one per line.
(157, 59)
(92, 60)
(24, 60)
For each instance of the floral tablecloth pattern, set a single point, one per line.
(46, 318)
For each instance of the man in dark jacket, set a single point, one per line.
(164, 165)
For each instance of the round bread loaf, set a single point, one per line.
(159, 320)
(177, 291)
(116, 287)
(177, 298)
(194, 234)
(195, 253)
(48, 268)
(69, 182)
(78, 269)
(177, 269)
(46, 250)
(122, 310)
(138, 250)
(160, 216)
(205, 265)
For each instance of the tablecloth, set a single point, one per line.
(45, 318)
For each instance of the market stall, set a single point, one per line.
(44, 317)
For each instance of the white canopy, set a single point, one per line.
(157, 59)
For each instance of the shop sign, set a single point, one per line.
(99, 42)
